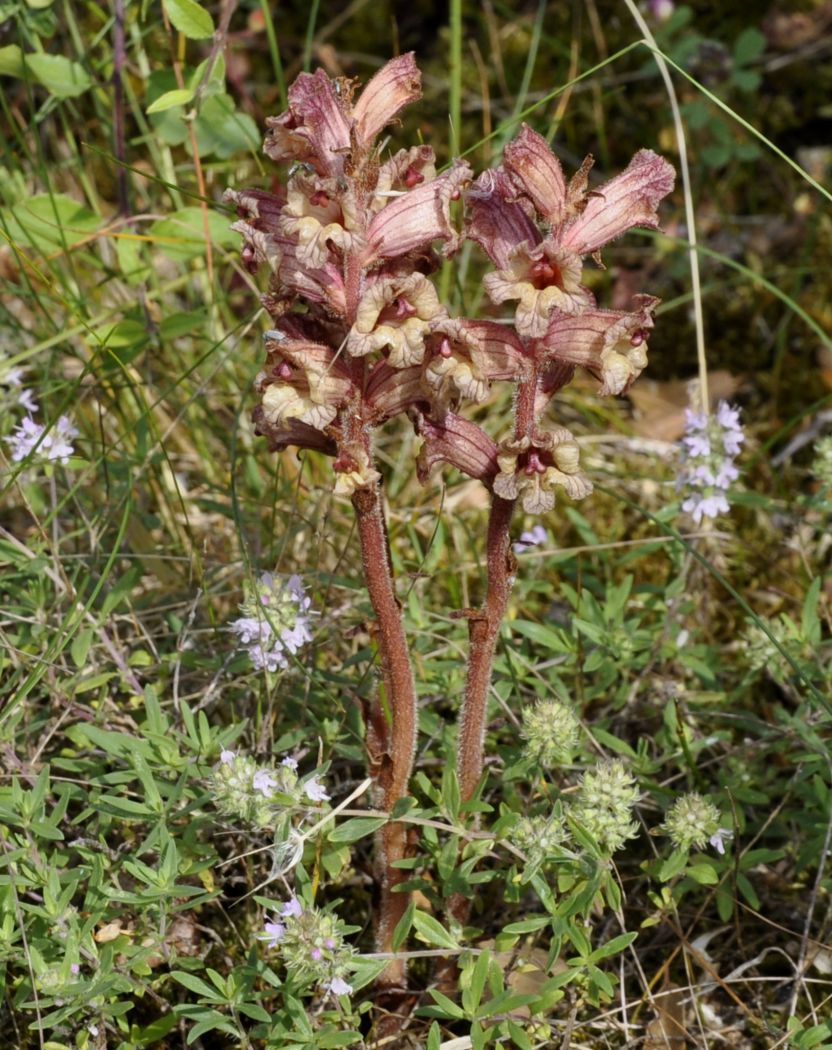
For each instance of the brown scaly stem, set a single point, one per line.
(484, 632)
(391, 733)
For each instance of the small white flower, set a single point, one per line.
(708, 448)
(716, 839)
(28, 402)
(290, 763)
(226, 756)
(338, 986)
(264, 782)
(315, 790)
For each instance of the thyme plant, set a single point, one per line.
(359, 337)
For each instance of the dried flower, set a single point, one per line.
(276, 621)
(708, 449)
(692, 821)
(604, 806)
(552, 731)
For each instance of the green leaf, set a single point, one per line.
(448, 1006)
(704, 874)
(61, 77)
(11, 61)
(674, 864)
(192, 20)
(81, 646)
(182, 234)
(749, 45)
(613, 947)
(222, 130)
(49, 221)
(177, 97)
(432, 932)
(356, 828)
(194, 984)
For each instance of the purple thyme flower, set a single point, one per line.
(53, 445)
(274, 932)
(290, 763)
(226, 756)
(708, 448)
(533, 538)
(716, 839)
(291, 909)
(276, 621)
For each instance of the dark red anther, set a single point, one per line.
(404, 308)
(533, 464)
(544, 274)
(319, 199)
(284, 370)
(412, 177)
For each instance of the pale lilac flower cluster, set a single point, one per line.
(276, 621)
(257, 794)
(54, 445)
(311, 945)
(709, 447)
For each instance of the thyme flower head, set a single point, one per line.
(311, 945)
(53, 445)
(709, 446)
(553, 731)
(276, 621)
(540, 836)
(604, 806)
(259, 794)
(692, 821)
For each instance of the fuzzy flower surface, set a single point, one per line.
(53, 445)
(605, 802)
(552, 732)
(259, 795)
(692, 821)
(276, 621)
(709, 447)
(540, 837)
(311, 946)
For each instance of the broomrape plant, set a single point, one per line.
(359, 336)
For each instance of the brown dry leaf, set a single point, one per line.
(667, 1031)
(528, 971)
(660, 406)
(108, 932)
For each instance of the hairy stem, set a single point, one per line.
(391, 721)
(484, 631)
